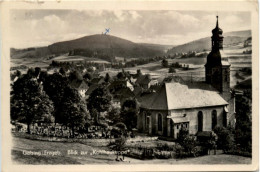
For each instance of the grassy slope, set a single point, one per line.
(21, 144)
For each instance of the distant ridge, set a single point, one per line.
(205, 43)
(108, 45)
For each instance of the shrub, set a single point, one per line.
(164, 147)
(188, 144)
(179, 151)
(183, 133)
(225, 138)
(163, 154)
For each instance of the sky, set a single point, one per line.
(33, 28)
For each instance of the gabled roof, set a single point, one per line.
(79, 84)
(123, 94)
(143, 79)
(99, 80)
(91, 89)
(179, 96)
(137, 90)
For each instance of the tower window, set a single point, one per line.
(214, 119)
(159, 122)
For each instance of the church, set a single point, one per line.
(197, 106)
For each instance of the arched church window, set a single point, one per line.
(200, 121)
(159, 122)
(214, 119)
(224, 119)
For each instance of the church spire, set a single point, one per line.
(217, 38)
(217, 22)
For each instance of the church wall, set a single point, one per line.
(192, 117)
(231, 119)
(153, 115)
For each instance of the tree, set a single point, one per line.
(73, 110)
(54, 85)
(243, 131)
(31, 72)
(62, 71)
(18, 73)
(37, 71)
(172, 70)
(138, 72)
(29, 103)
(183, 133)
(114, 115)
(107, 78)
(99, 100)
(87, 76)
(129, 113)
(75, 75)
(225, 138)
(187, 142)
(43, 76)
(164, 63)
(121, 75)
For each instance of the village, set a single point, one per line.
(171, 117)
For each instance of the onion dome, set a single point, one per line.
(217, 30)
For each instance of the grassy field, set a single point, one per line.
(21, 144)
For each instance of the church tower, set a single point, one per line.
(217, 70)
(218, 75)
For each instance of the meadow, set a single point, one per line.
(84, 155)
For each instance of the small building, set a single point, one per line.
(119, 84)
(98, 80)
(81, 86)
(91, 89)
(145, 81)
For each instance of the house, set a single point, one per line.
(80, 85)
(91, 89)
(145, 81)
(118, 84)
(197, 106)
(98, 80)
(120, 95)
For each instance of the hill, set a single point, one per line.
(230, 38)
(98, 45)
(157, 46)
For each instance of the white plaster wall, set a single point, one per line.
(192, 117)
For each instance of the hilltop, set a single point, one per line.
(98, 45)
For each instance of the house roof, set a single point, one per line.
(137, 90)
(124, 92)
(179, 96)
(97, 80)
(91, 89)
(143, 79)
(177, 120)
(79, 84)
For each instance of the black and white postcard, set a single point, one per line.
(121, 85)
